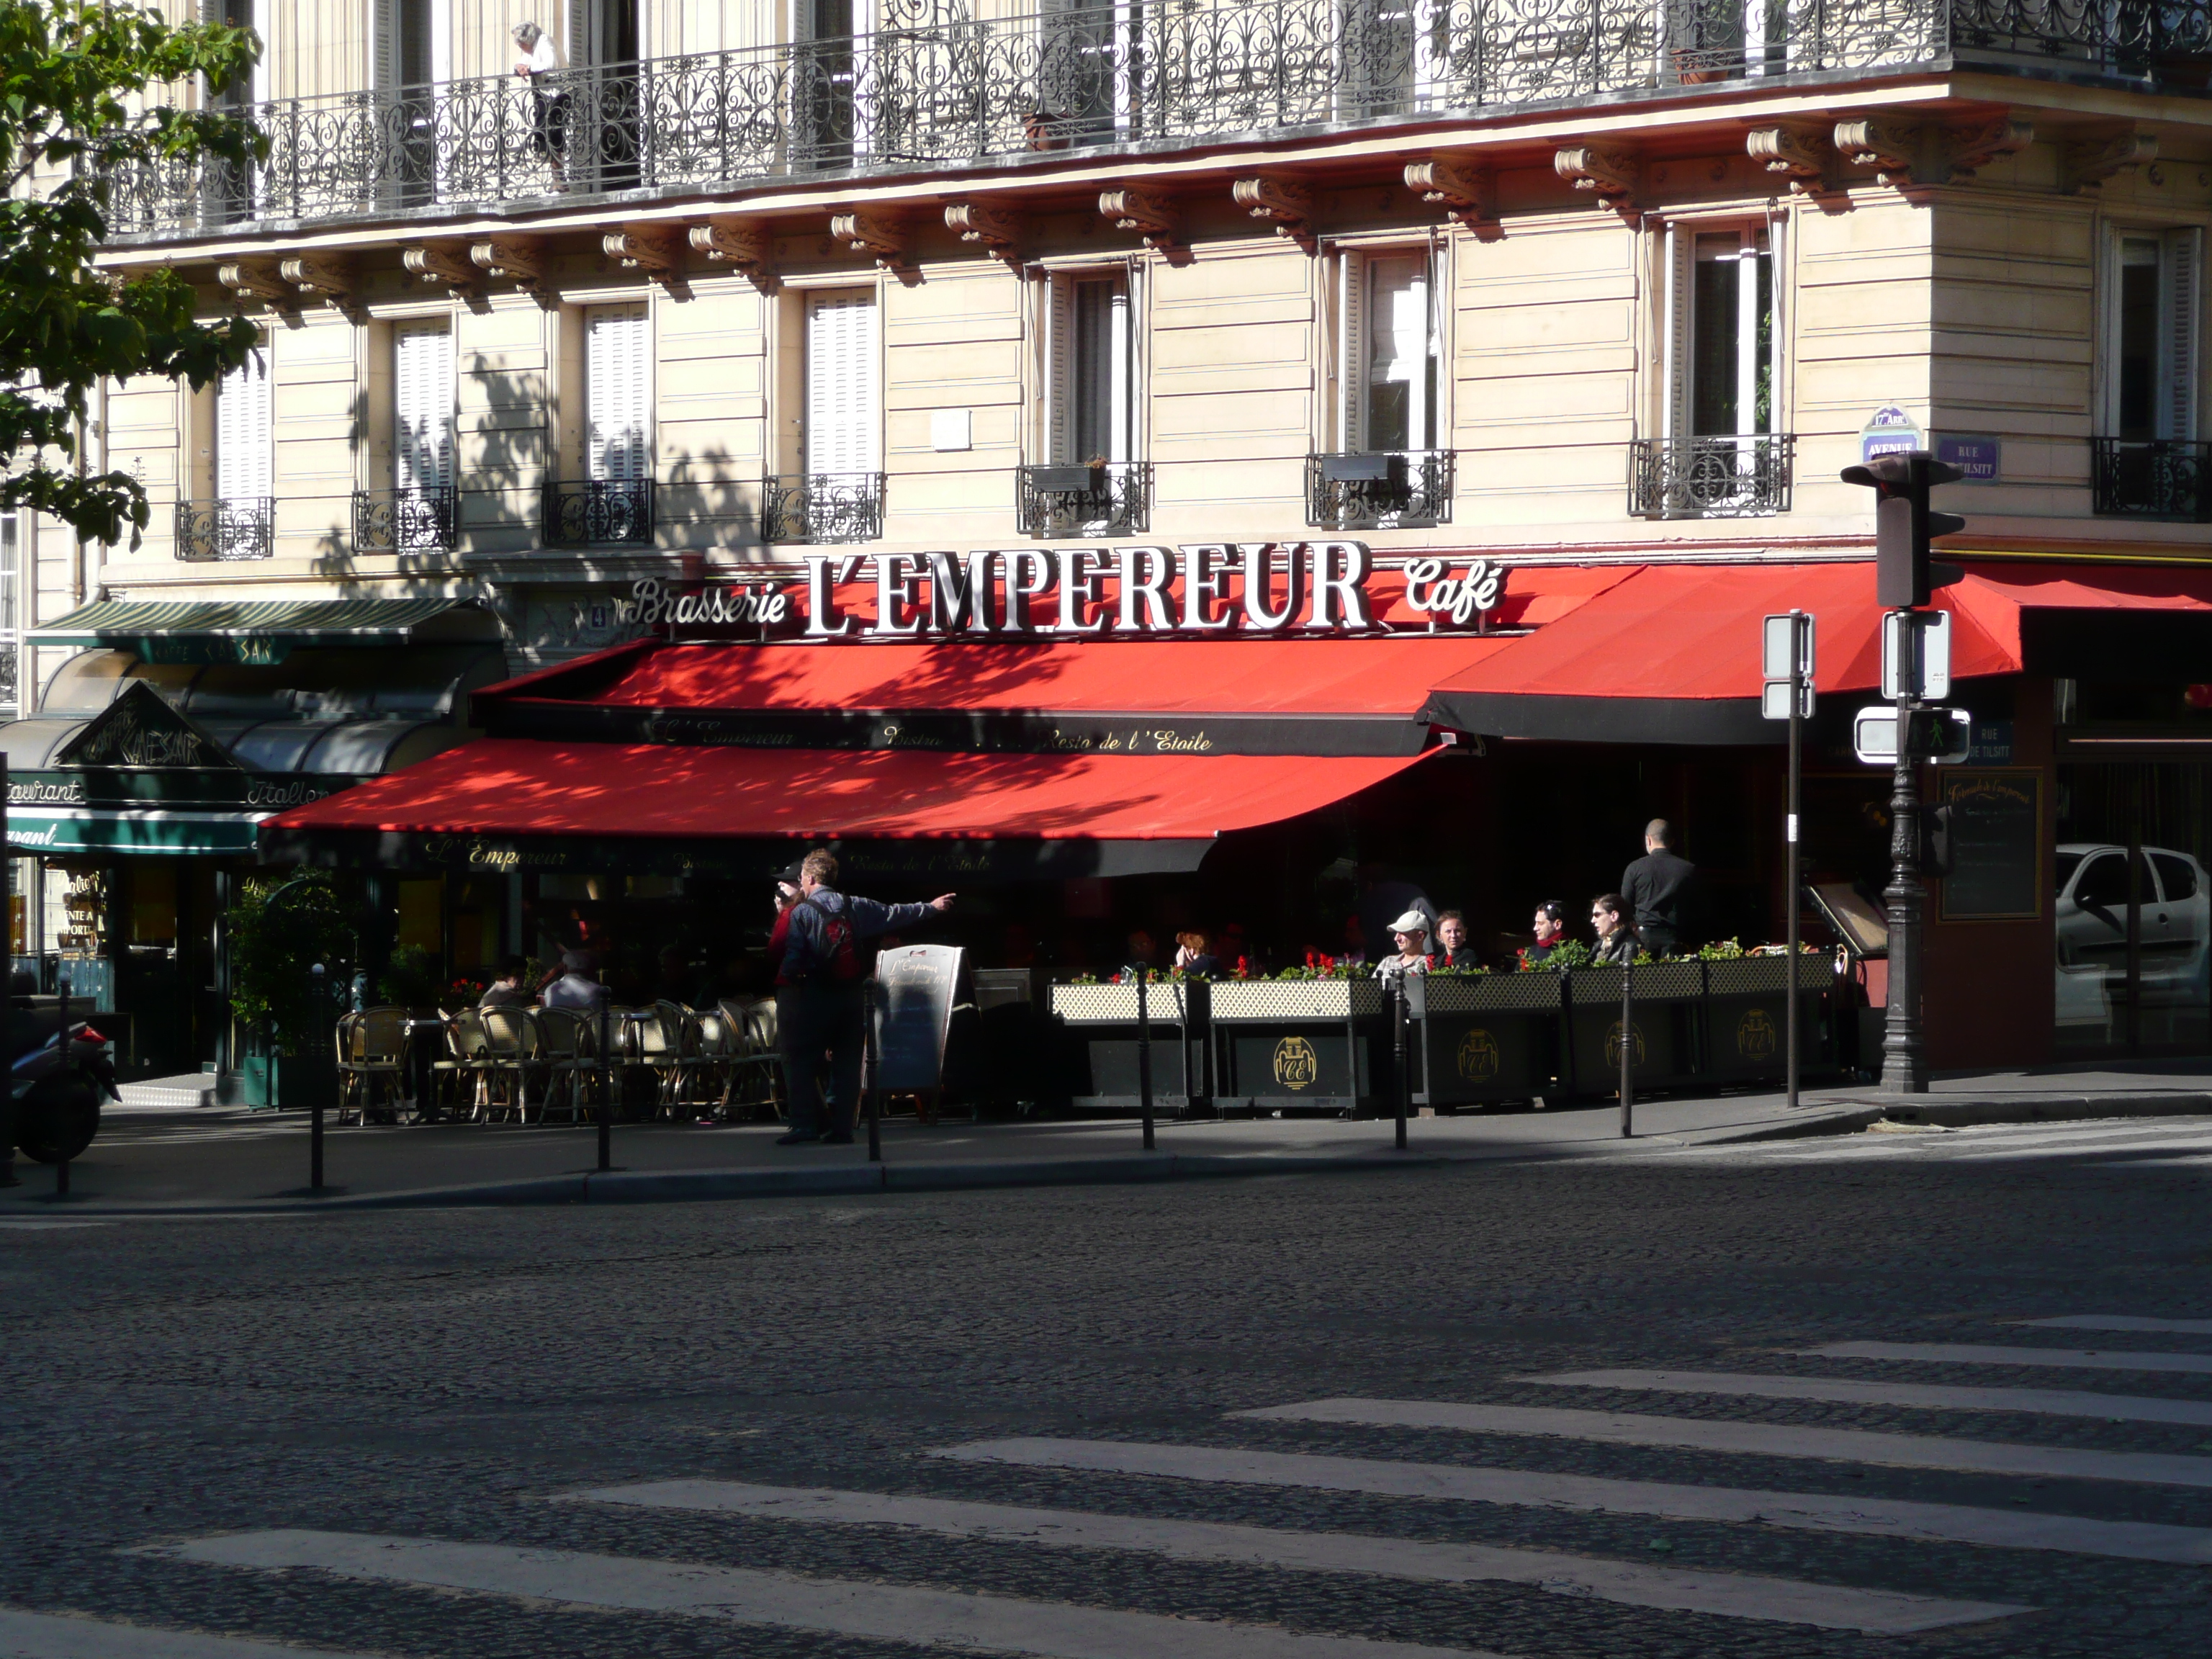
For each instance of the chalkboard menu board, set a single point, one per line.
(1996, 870)
(914, 1014)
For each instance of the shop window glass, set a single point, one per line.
(422, 915)
(152, 903)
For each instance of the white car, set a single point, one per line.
(2175, 929)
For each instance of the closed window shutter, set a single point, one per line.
(1060, 372)
(617, 364)
(1682, 254)
(2183, 290)
(242, 459)
(423, 402)
(1120, 350)
(384, 45)
(1351, 355)
(578, 48)
(841, 383)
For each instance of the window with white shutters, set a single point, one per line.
(423, 406)
(2153, 330)
(841, 401)
(1091, 360)
(1389, 352)
(243, 458)
(617, 392)
(1720, 334)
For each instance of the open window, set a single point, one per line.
(410, 47)
(2149, 462)
(1090, 74)
(1397, 56)
(833, 112)
(1091, 482)
(1391, 468)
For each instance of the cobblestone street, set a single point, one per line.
(1937, 1392)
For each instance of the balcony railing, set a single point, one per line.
(934, 86)
(599, 512)
(2168, 478)
(1114, 498)
(211, 532)
(823, 507)
(403, 520)
(1710, 477)
(1387, 489)
(11, 651)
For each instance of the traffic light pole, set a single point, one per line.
(1904, 1071)
(1797, 627)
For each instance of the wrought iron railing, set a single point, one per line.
(823, 507)
(599, 512)
(1383, 489)
(403, 520)
(2168, 479)
(1710, 477)
(1113, 498)
(212, 531)
(11, 651)
(933, 85)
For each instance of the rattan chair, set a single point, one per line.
(454, 1078)
(753, 1084)
(373, 1051)
(568, 1055)
(513, 1053)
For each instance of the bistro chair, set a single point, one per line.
(568, 1056)
(513, 1048)
(660, 1050)
(454, 1080)
(753, 1084)
(372, 1052)
(709, 1045)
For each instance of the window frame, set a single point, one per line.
(1349, 414)
(2177, 409)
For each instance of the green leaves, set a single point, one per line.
(91, 92)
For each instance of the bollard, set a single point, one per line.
(315, 1088)
(1627, 1050)
(1144, 1047)
(874, 1088)
(607, 1095)
(1402, 1077)
(63, 1052)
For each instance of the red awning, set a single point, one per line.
(499, 803)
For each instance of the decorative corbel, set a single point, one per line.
(1801, 154)
(653, 251)
(1469, 191)
(258, 279)
(511, 260)
(318, 276)
(1904, 153)
(882, 239)
(1968, 149)
(447, 266)
(2086, 164)
(1153, 217)
(998, 229)
(743, 243)
(1284, 203)
(1893, 149)
(1610, 174)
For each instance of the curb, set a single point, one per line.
(2049, 1109)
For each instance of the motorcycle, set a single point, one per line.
(56, 1083)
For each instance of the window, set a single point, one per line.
(1089, 380)
(830, 109)
(413, 43)
(2176, 875)
(1389, 353)
(423, 408)
(1721, 351)
(841, 383)
(243, 462)
(1397, 55)
(2104, 885)
(15, 539)
(1090, 66)
(2152, 332)
(617, 393)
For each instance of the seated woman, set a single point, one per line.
(1410, 933)
(1195, 955)
(507, 991)
(1616, 937)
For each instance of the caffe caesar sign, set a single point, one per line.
(1266, 588)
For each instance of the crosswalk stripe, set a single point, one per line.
(1883, 1612)
(2123, 1323)
(746, 1595)
(1989, 1353)
(45, 1636)
(2049, 1403)
(2138, 1541)
(1910, 1451)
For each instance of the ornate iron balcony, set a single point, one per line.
(1710, 477)
(1114, 498)
(11, 653)
(599, 512)
(209, 531)
(403, 520)
(1382, 490)
(823, 507)
(2168, 479)
(935, 85)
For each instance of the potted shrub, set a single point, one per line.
(278, 931)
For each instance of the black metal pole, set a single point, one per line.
(1902, 1069)
(606, 1094)
(318, 986)
(875, 1090)
(7, 1108)
(1628, 1043)
(1403, 1079)
(1797, 622)
(1144, 1047)
(62, 1042)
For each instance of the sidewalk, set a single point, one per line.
(164, 1159)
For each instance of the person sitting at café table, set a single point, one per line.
(578, 986)
(1410, 933)
(1193, 955)
(1617, 943)
(1452, 949)
(1551, 932)
(506, 989)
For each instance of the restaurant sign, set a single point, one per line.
(1264, 588)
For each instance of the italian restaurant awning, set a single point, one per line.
(264, 631)
(517, 805)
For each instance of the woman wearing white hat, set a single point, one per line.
(1410, 933)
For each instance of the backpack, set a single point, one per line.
(839, 959)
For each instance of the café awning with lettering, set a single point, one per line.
(519, 805)
(264, 631)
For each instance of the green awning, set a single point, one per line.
(110, 830)
(264, 631)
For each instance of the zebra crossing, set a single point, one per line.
(1244, 1450)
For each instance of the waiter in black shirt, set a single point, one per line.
(1659, 888)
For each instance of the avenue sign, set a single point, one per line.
(1263, 588)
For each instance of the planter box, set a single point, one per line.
(1098, 1045)
(1669, 998)
(1747, 1013)
(301, 1080)
(1301, 1045)
(1481, 1040)
(1117, 1004)
(1239, 1001)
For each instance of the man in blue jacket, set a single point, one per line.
(820, 999)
